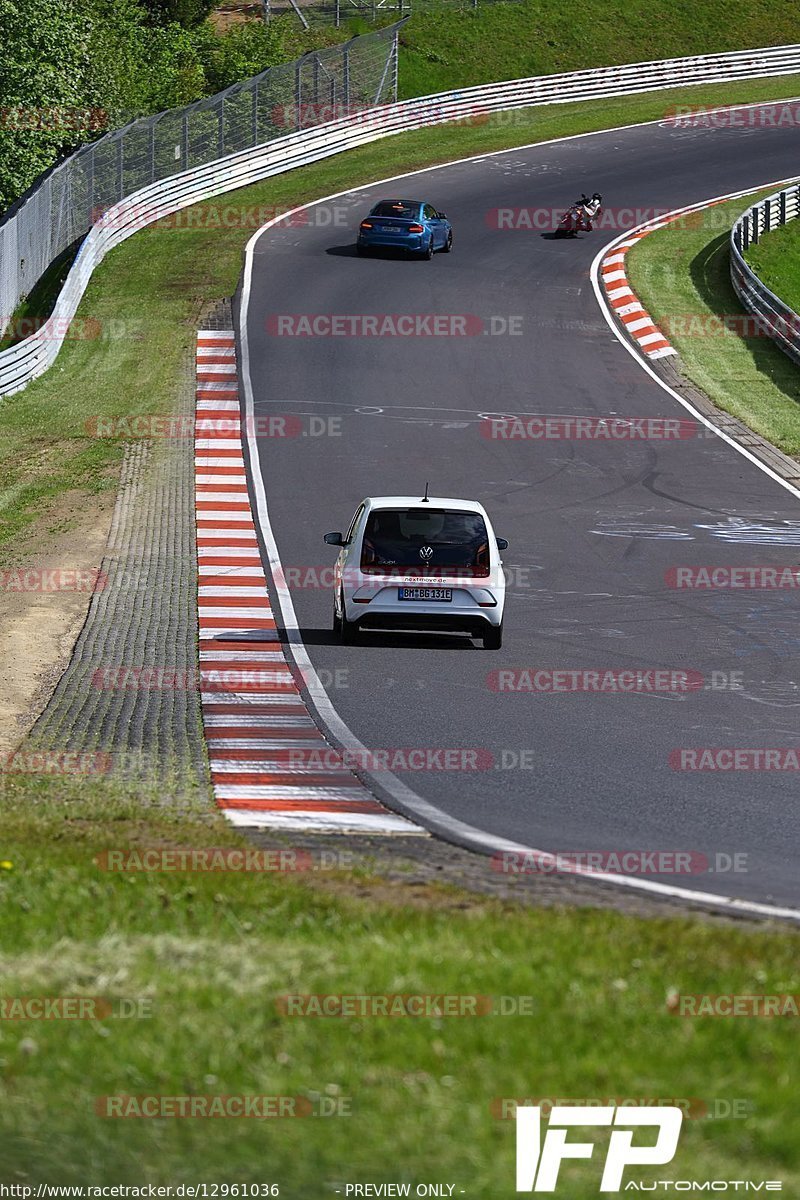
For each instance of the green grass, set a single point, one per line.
(145, 299)
(213, 952)
(442, 49)
(776, 261)
(681, 274)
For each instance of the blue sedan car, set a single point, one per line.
(409, 225)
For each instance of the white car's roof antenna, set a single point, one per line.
(424, 499)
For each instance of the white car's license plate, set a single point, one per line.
(423, 593)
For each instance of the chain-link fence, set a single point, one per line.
(325, 84)
(338, 12)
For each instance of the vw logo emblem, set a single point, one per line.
(426, 552)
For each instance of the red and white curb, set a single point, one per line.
(629, 310)
(271, 767)
(638, 323)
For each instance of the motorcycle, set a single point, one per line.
(579, 216)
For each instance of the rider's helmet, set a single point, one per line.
(596, 196)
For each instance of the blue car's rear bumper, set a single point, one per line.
(406, 241)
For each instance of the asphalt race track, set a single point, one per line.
(593, 527)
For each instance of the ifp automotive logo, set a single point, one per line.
(538, 1161)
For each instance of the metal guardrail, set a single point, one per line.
(30, 358)
(779, 321)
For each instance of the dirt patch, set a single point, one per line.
(44, 598)
(235, 12)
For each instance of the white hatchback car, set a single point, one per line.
(430, 564)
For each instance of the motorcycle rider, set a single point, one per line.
(588, 209)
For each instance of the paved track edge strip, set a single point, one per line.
(271, 767)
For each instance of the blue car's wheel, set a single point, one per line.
(428, 251)
(448, 246)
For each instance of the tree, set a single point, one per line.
(187, 13)
(43, 102)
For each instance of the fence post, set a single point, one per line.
(90, 184)
(298, 95)
(255, 111)
(395, 65)
(338, 15)
(120, 169)
(221, 129)
(152, 141)
(186, 141)
(346, 77)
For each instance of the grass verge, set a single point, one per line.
(410, 1099)
(776, 261)
(441, 49)
(681, 274)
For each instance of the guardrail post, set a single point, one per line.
(744, 233)
(754, 230)
(782, 208)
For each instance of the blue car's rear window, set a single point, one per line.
(397, 208)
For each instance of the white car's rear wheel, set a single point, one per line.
(493, 637)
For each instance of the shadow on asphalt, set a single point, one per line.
(350, 251)
(377, 639)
